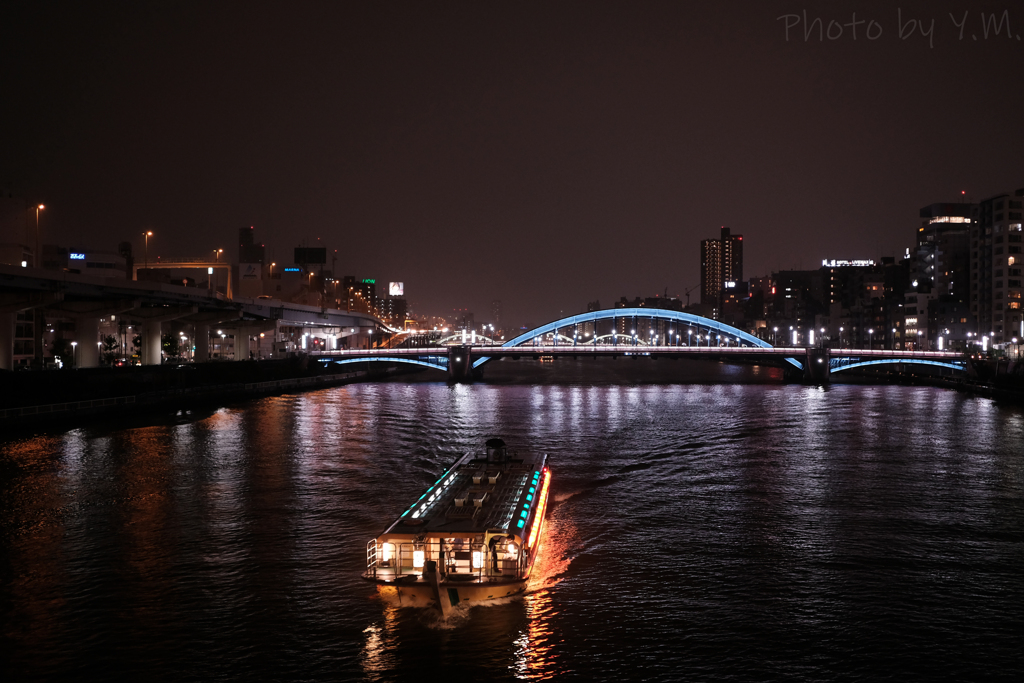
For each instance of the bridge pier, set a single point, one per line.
(460, 364)
(816, 368)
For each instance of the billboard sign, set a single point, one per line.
(396, 289)
(311, 255)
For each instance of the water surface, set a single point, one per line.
(697, 532)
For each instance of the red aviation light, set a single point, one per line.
(538, 519)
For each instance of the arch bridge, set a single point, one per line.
(647, 332)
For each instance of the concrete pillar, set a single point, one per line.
(816, 367)
(38, 330)
(202, 341)
(460, 364)
(242, 342)
(7, 323)
(87, 334)
(151, 342)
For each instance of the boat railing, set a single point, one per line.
(371, 555)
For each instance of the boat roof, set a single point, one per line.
(492, 492)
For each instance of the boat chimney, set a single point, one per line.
(496, 451)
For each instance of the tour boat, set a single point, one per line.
(472, 536)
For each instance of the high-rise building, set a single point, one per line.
(996, 263)
(248, 250)
(710, 272)
(732, 256)
(359, 294)
(721, 262)
(942, 256)
(394, 310)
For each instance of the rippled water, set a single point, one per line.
(703, 532)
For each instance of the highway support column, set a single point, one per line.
(87, 315)
(201, 324)
(201, 341)
(10, 306)
(151, 319)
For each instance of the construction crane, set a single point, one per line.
(688, 294)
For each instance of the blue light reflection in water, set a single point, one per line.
(696, 531)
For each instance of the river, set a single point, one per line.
(745, 530)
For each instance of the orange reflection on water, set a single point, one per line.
(380, 652)
(536, 654)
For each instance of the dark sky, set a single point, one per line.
(543, 154)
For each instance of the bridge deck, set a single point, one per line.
(626, 349)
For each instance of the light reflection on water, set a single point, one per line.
(707, 531)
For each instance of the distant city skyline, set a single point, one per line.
(543, 157)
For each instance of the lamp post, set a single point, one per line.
(146, 235)
(39, 256)
(871, 339)
(74, 354)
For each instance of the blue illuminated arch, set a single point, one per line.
(385, 359)
(649, 313)
(880, 361)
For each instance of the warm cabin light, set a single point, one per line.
(478, 559)
(387, 552)
(542, 503)
(417, 559)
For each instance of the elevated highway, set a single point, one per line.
(85, 300)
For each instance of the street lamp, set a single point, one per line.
(775, 333)
(871, 339)
(74, 352)
(147, 235)
(39, 208)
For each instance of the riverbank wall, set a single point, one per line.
(63, 398)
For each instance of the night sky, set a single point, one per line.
(544, 154)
